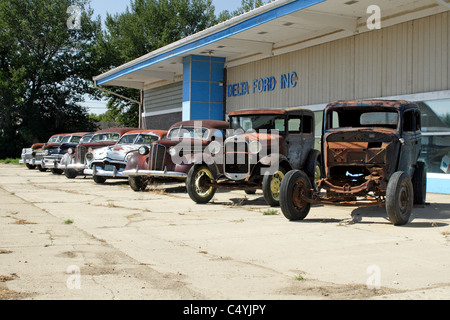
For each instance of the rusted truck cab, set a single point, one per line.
(262, 147)
(370, 154)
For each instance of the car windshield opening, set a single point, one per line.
(188, 132)
(127, 139)
(357, 118)
(258, 123)
(146, 139)
(105, 137)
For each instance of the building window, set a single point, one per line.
(435, 118)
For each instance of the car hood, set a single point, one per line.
(115, 152)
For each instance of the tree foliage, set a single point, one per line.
(45, 70)
(145, 26)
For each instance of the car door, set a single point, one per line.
(409, 143)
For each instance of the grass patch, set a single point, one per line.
(68, 221)
(10, 161)
(270, 212)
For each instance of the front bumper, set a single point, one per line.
(94, 171)
(74, 166)
(51, 162)
(156, 174)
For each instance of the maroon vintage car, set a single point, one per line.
(74, 162)
(172, 158)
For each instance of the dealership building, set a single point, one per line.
(306, 53)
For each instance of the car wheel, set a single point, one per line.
(419, 182)
(295, 186)
(197, 184)
(70, 173)
(30, 166)
(99, 179)
(271, 187)
(137, 183)
(41, 168)
(313, 168)
(399, 198)
(56, 171)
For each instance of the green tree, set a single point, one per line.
(45, 70)
(246, 5)
(145, 26)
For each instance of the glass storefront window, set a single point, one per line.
(435, 118)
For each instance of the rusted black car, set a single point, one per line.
(370, 154)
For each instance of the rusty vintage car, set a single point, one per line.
(110, 161)
(54, 152)
(370, 155)
(33, 157)
(171, 158)
(264, 145)
(74, 161)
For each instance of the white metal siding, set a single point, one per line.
(407, 58)
(163, 98)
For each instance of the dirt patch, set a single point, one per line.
(317, 289)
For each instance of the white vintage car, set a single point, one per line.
(110, 161)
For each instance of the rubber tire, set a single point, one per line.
(41, 169)
(312, 162)
(419, 182)
(30, 166)
(399, 189)
(268, 195)
(291, 179)
(56, 171)
(70, 173)
(190, 185)
(99, 179)
(137, 183)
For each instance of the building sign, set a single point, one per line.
(268, 84)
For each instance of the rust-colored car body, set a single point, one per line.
(73, 163)
(158, 163)
(290, 147)
(370, 154)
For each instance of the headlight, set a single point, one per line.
(172, 151)
(254, 147)
(142, 150)
(70, 151)
(89, 156)
(214, 147)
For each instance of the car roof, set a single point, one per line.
(159, 133)
(257, 111)
(372, 103)
(210, 124)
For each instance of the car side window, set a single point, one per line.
(294, 124)
(409, 121)
(307, 125)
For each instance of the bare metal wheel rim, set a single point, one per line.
(403, 199)
(275, 184)
(202, 176)
(298, 193)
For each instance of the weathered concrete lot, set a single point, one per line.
(160, 245)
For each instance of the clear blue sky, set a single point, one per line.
(101, 7)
